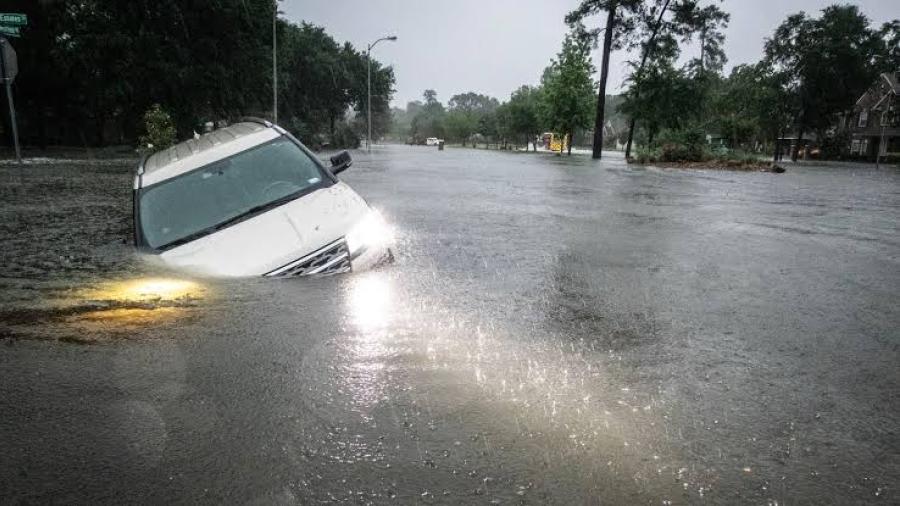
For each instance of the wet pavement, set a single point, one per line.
(553, 331)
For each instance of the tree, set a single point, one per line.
(753, 105)
(488, 127)
(659, 44)
(503, 129)
(664, 98)
(708, 24)
(568, 88)
(99, 65)
(830, 61)
(889, 55)
(652, 23)
(401, 119)
(160, 131)
(382, 90)
(523, 114)
(465, 111)
(460, 126)
(429, 120)
(620, 16)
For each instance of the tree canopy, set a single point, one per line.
(569, 88)
(91, 69)
(465, 114)
(830, 61)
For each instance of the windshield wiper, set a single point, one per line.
(249, 213)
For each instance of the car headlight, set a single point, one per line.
(371, 232)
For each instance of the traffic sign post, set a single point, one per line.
(10, 26)
(9, 68)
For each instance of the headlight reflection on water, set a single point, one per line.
(403, 348)
(370, 302)
(369, 347)
(128, 304)
(148, 290)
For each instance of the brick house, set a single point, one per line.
(876, 116)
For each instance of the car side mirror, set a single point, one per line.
(341, 162)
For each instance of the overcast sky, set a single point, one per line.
(495, 46)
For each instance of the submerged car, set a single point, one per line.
(251, 200)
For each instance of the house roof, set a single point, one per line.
(893, 79)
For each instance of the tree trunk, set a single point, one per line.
(331, 127)
(647, 50)
(569, 144)
(42, 129)
(630, 139)
(599, 120)
(777, 147)
(98, 131)
(702, 48)
(796, 151)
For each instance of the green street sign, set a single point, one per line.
(10, 31)
(13, 18)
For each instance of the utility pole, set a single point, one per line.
(369, 90)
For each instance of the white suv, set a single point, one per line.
(250, 200)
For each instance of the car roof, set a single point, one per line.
(209, 147)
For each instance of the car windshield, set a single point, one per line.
(203, 200)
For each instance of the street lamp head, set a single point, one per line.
(392, 37)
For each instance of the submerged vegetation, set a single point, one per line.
(690, 148)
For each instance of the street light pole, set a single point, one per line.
(275, 62)
(885, 117)
(369, 90)
(369, 98)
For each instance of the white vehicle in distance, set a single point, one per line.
(432, 141)
(251, 200)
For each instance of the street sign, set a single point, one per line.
(10, 62)
(13, 18)
(10, 31)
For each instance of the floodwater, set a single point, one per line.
(553, 331)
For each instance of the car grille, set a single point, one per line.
(332, 259)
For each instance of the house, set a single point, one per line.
(790, 142)
(875, 122)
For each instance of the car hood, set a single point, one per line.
(272, 239)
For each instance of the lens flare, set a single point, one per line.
(371, 232)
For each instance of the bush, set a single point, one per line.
(160, 130)
(646, 155)
(344, 137)
(836, 147)
(686, 145)
(680, 148)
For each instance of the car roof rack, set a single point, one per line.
(261, 121)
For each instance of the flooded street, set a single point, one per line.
(553, 331)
